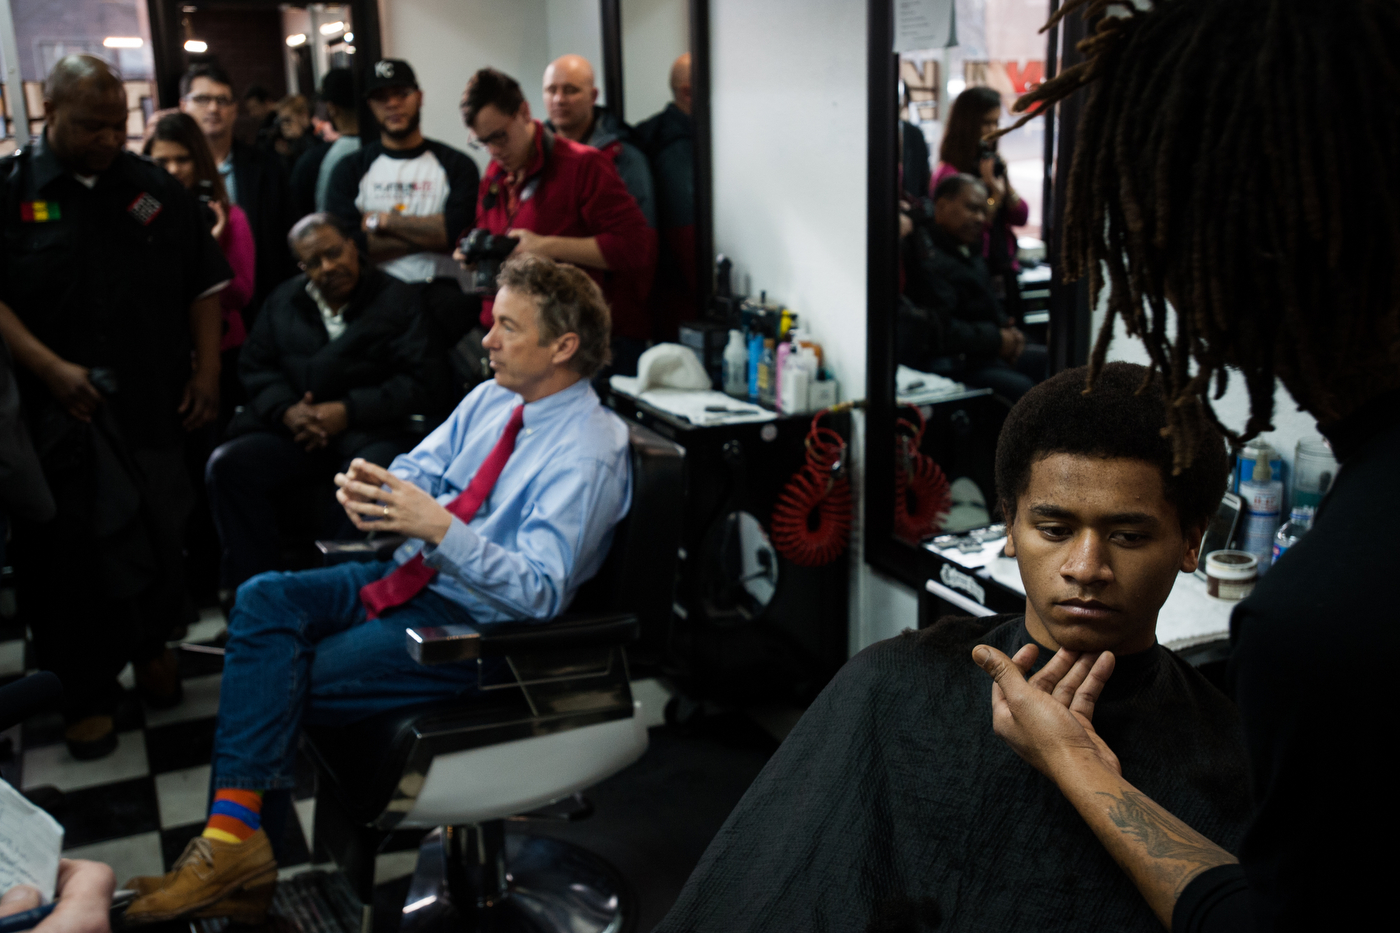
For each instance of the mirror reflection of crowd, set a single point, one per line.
(960, 308)
(186, 349)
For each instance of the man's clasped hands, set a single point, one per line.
(312, 424)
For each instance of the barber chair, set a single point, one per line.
(556, 716)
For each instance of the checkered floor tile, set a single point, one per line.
(137, 808)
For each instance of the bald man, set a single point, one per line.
(668, 139)
(571, 99)
(108, 301)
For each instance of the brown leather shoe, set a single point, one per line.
(211, 879)
(158, 680)
(91, 737)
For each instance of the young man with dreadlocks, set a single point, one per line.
(892, 807)
(1222, 145)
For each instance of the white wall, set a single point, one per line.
(447, 40)
(788, 96)
(654, 34)
(575, 26)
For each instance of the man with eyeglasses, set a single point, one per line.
(564, 201)
(408, 195)
(339, 363)
(254, 178)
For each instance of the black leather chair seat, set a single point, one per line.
(363, 762)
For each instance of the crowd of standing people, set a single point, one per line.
(203, 337)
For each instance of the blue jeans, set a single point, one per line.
(300, 650)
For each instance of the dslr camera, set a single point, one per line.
(485, 251)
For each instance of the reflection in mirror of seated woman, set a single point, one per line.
(893, 806)
(951, 321)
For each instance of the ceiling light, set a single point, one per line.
(123, 42)
(330, 29)
(296, 40)
(349, 37)
(196, 46)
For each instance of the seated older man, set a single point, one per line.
(952, 320)
(893, 806)
(510, 505)
(340, 358)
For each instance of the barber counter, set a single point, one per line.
(981, 581)
(748, 625)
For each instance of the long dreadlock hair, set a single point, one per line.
(1240, 156)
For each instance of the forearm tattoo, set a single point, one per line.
(1164, 837)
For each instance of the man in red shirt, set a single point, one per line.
(564, 201)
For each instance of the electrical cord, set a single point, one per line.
(922, 495)
(812, 518)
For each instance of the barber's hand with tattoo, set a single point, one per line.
(377, 500)
(1048, 719)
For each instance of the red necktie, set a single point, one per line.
(408, 580)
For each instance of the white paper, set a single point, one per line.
(912, 387)
(922, 24)
(30, 844)
(691, 404)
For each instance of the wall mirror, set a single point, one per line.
(668, 109)
(951, 346)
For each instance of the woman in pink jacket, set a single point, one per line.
(175, 141)
(976, 114)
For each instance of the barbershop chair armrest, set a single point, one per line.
(446, 643)
(359, 549)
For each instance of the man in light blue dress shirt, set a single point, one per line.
(301, 648)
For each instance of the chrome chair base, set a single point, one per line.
(480, 879)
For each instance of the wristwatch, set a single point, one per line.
(372, 222)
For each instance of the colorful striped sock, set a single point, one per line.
(235, 816)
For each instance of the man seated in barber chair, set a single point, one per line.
(893, 806)
(339, 362)
(509, 506)
(951, 320)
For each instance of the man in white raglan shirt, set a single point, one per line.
(411, 196)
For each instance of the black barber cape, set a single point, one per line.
(893, 805)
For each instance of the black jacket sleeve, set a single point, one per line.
(1215, 901)
(270, 392)
(463, 178)
(344, 187)
(942, 289)
(23, 491)
(410, 390)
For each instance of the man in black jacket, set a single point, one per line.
(951, 321)
(254, 178)
(336, 368)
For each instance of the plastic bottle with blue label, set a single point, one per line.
(1262, 498)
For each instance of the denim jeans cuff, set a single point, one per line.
(261, 782)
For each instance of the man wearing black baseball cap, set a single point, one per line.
(408, 194)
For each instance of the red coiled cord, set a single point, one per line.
(922, 497)
(812, 517)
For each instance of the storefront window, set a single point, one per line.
(117, 31)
